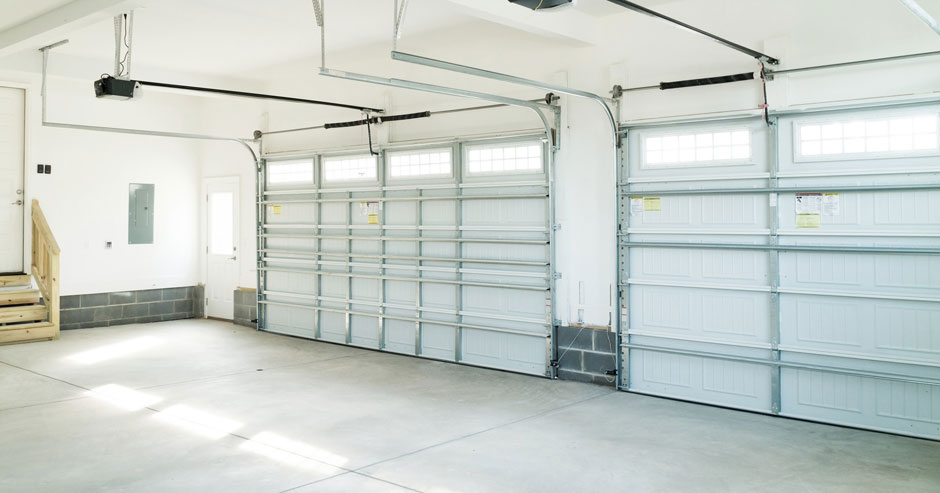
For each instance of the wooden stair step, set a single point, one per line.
(15, 280)
(19, 297)
(29, 313)
(27, 332)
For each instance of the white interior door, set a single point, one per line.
(221, 246)
(12, 200)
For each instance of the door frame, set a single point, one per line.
(204, 232)
(27, 158)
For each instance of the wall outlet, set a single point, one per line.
(107, 245)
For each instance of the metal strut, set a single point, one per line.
(255, 95)
(718, 39)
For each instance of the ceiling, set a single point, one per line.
(243, 38)
(227, 37)
(16, 11)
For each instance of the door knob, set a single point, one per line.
(18, 202)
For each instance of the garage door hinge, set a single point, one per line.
(556, 275)
(556, 227)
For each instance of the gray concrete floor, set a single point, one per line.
(209, 406)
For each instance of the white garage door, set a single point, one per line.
(441, 252)
(817, 296)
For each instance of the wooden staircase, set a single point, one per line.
(28, 314)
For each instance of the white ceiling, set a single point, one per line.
(228, 37)
(240, 38)
(16, 11)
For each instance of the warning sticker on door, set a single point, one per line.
(369, 208)
(636, 205)
(373, 218)
(831, 205)
(644, 204)
(807, 220)
(276, 210)
(808, 203)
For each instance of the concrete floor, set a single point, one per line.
(209, 406)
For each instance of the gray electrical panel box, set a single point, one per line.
(140, 214)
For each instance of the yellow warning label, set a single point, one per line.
(652, 204)
(807, 220)
(373, 218)
(276, 209)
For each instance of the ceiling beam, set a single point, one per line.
(57, 24)
(574, 26)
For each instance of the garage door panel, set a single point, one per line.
(505, 213)
(399, 335)
(333, 286)
(709, 212)
(442, 249)
(291, 321)
(437, 341)
(514, 352)
(333, 325)
(439, 296)
(536, 253)
(899, 407)
(295, 214)
(877, 213)
(701, 314)
(366, 246)
(723, 267)
(875, 328)
(439, 213)
(400, 292)
(720, 382)
(866, 274)
(510, 302)
(363, 330)
(293, 282)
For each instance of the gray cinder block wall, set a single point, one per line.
(130, 307)
(586, 354)
(246, 307)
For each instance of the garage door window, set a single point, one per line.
(349, 168)
(424, 164)
(725, 147)
(290, 172)
(521, 157)
(910, 135)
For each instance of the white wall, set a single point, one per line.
(85, 198)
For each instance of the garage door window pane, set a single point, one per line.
(513, 158)
(895, 136)
(349, 168)
(290, 172)
(430, 163)
(695, 149)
